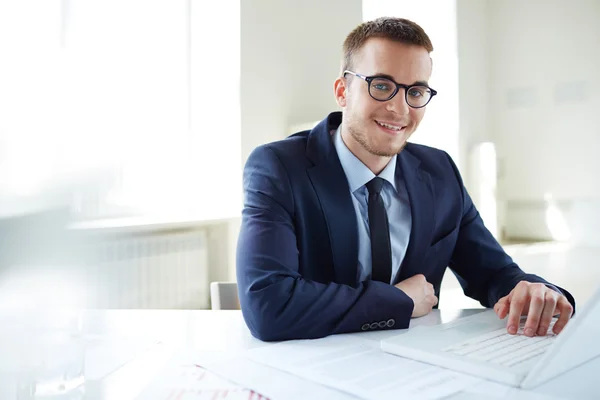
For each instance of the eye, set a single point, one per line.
(382, 85)
(418, 91)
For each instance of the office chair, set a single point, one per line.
(224, 296)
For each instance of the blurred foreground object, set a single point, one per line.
(41, 261)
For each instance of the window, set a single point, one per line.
(122, 106)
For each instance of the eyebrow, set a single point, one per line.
(391, 78)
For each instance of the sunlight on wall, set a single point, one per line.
(482, 167)
(555, 220)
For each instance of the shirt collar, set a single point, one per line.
(359, 174)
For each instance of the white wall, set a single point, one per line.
(473, 78)
(475, 132)
(291, 53)
(544, 58)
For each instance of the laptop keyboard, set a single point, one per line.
(501, 348)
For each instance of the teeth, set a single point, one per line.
(395, 128)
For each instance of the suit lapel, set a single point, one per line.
(420, 194)
(331, 186)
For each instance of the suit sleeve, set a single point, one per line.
(482, 267)
(276, 301)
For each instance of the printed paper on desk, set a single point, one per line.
(274, 383)
(360, 368)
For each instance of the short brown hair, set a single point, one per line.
(397, 29)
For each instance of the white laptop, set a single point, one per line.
(479, 345)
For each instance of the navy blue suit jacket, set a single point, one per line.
(297, 254)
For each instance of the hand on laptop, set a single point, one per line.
(421, 292)
(539, 303)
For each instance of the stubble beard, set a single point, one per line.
(358, 134)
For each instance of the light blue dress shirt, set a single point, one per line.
(395, 198)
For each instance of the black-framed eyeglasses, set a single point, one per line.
(384, 89)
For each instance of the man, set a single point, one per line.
(348, 227)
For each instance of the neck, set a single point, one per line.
(372, 161)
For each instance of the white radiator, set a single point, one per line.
(150, 270)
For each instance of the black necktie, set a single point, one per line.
(381, 251)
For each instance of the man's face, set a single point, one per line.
(363, 116)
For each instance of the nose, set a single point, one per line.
(397, 104)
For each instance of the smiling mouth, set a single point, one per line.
(391, 127)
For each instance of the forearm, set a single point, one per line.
(294, 308)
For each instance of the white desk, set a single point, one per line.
(224, 334)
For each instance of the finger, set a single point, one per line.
(566, 310)
(435, 300)
(502, 306)
(550, 301)
(431, 300)
(536, 306)
(519, 298)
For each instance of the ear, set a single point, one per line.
(339, 91)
